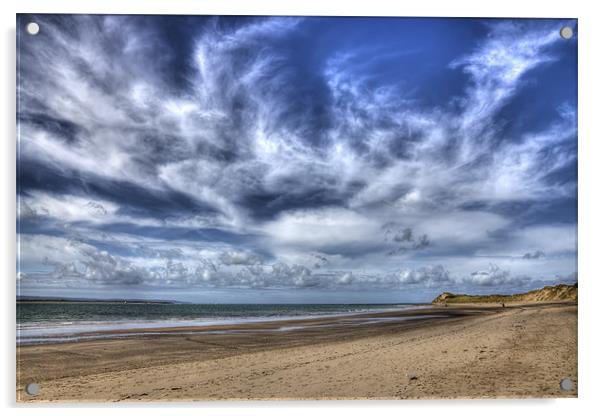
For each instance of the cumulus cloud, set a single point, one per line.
(230, 258)
(92, 266)
(97, 267)
(494, 276)
(429, 276)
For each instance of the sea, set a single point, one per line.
(39, 323)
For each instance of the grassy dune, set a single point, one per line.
(545, 294)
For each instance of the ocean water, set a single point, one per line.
(62, 322)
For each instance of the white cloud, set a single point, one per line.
(493, 276)
(322, 228)
(234, 257)
(67, 209)
(429, 276)
(497, 66)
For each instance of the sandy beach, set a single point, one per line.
(454, 352)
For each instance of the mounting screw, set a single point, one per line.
(33, 389)
(33, 28)
(566, 384)
(566, 32)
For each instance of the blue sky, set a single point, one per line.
(291, 159)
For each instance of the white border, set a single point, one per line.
(590, 162)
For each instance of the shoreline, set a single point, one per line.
(260, 324)
(140, 328)
(216, 365)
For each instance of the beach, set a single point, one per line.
(459, 351)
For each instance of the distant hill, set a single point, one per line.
(42, 299)
(545, 294)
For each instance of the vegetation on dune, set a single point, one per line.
(545, 294)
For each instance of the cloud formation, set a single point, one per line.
(230, 258)
(493, 276)
(535, 255)
(263, 153)
(431, 276)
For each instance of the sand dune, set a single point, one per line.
(558, 293)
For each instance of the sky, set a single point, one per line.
(218, 159)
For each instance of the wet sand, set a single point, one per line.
(458, 351)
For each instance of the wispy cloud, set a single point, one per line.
(267, 163)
